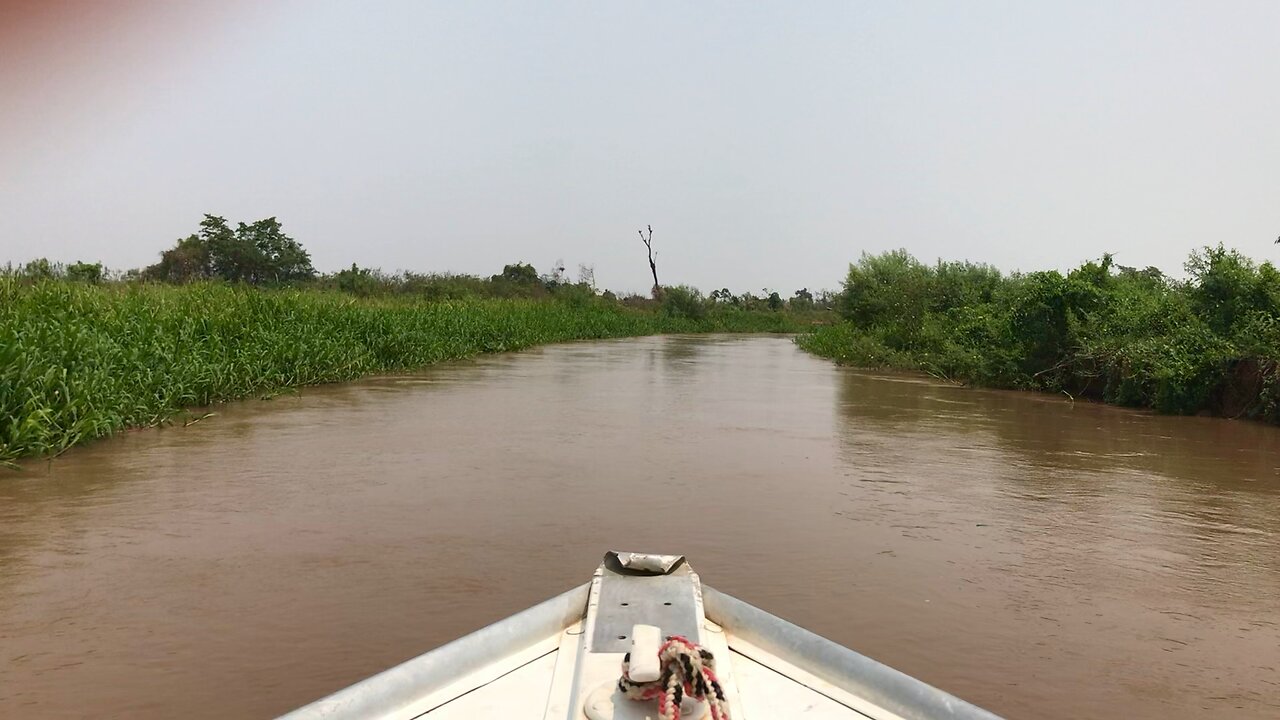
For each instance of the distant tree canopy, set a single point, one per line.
(46, 269)
(359, 281)
(256, 253)
(260, 253)
(85, 272)
(520, 273)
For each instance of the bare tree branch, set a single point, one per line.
(653, 266)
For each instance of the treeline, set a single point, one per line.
(522, 280)
(1135, 337)
(263, 255)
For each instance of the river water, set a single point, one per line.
(1043, 559)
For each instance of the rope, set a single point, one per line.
(687, 669)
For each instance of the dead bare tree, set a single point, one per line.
(587, 275)
(653, 266)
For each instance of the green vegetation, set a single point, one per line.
(80, 360)
(235, 312)
(256, 253)
(1209, 344)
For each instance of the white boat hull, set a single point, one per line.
(560, 659)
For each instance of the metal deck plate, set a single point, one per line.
(667, 601)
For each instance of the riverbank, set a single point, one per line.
(80, 362)
(1208, 345)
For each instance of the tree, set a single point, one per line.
(891, 287)
(520, 273)
(653, 266)
(279, 258)
(775, 301)
(186, 261)
(683, 301)
(254, 253)
(359, 281)
(803, 299)
(229, 259)
(40, 269)
(85, 272)
(556, 277)
(1227, 286)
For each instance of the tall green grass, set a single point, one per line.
(79, 362)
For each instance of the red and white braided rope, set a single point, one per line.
(687, 670)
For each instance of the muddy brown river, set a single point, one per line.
(1043, 559)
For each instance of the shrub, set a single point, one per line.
(1128, 336)
(682, 301)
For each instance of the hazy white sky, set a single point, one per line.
(768, 144)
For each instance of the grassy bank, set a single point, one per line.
(1208, 344)
(79, 361)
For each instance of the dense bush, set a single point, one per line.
(1133, 337)
(683, 301)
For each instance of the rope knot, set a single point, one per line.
(688, 669)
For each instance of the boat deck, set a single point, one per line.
(561, 660)
(759, 689)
